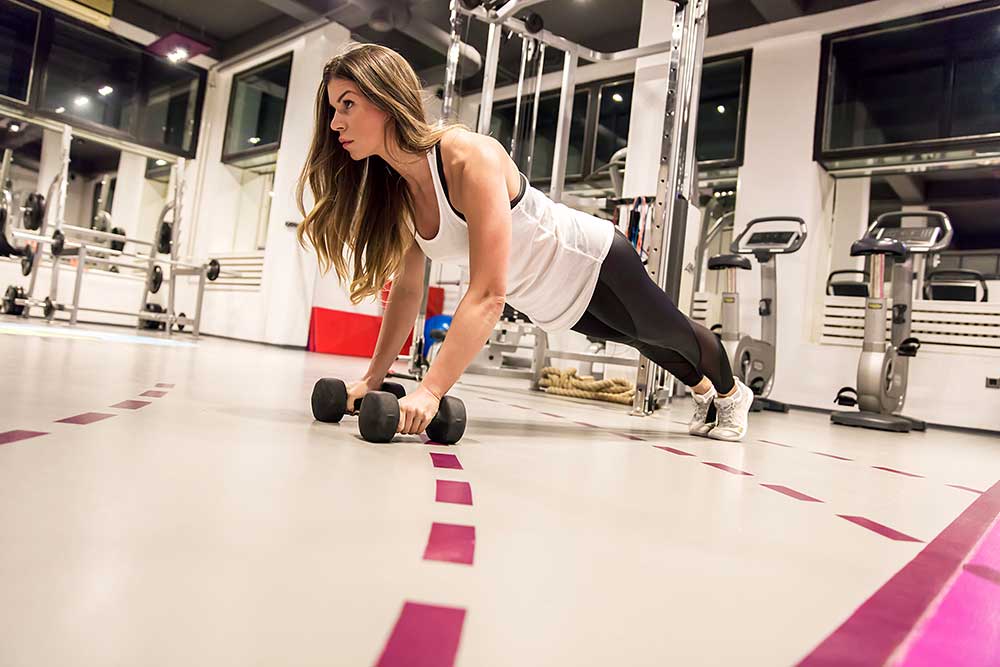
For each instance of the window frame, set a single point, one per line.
(744, 105)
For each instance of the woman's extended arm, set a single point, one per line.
(400, 312)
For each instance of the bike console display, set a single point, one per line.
(770, 236)
(933, 235)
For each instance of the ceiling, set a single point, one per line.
(232, 26)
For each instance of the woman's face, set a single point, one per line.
(359, 123)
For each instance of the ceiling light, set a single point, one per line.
(82, 101)
(253, 140)
(617, 97)
(720, 109)
(61, 110)
(161, 163)
(104, 91)
(14, 127)
(178, 55)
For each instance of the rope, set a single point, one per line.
(566, 383)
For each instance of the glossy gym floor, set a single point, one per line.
(170, 503)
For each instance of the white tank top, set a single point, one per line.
(555, 253)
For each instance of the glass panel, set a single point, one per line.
(976, 103)
(545, 136)
(171, 104)
(92, 77)
(257, 106)
(612, 121)
(256, 192)
(502, 129)
(934, 80)
(719, 109)
(18, 29)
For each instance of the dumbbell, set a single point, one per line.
(329, 398)
(379, 411)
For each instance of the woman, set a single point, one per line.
(390, 190)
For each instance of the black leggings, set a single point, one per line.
(628, 307)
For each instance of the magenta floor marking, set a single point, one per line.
(881, 529)
(961, 629)
(882, 623)
(724, 467)
(898, 472)
(425, 636)
(833, 456)
(164, 385)
(451, 543)
(678, 452)
(131, 405)
(964, 488)
(549, 414)
(771, 442)
(446, 461)
(587, 425)
(459, 493)
(8, 437)
(85, 418)
(629, 436)
(152, 393)
(791, 493)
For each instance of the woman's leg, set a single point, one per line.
(627, 300)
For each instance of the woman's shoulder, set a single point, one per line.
(461, 146)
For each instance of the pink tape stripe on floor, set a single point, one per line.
(724, 467)
(8, 437)
(962, 629)
(459, 493)
(779, 444)
(898, 472)
(425, 636)
(833, 456)
(85, 418)
(152, 393)
(879, 626)
(164, 385)
(964, 488)
(131, 405)
(791, 493)
(445, 461)
(678, 452)
(881, 529)
(451, 543)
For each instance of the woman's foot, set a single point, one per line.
(732, 414)
(699, 424)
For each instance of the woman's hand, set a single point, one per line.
(356, 391)
(416, 411)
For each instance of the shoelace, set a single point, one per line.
(701, 410)
(727, 412)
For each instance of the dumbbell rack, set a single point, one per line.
(83, 247)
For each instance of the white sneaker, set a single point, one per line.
(732, 414)
(699, 424)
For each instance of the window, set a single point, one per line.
(257, 109)
(92, 77)
(927, 82)
(543, 155)
(612, 120)
(722, 105)
(18, 34)
(171, 96)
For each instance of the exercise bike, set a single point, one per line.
(753, 359)
(883, 369)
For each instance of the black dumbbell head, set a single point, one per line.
(329, 400)
(379, 416)
(394, 388)
(448, 425)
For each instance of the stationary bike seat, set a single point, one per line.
(728, 262)
(869, 246)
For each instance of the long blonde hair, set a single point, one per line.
(360, 205)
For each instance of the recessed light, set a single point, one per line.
(161, 163)
(180, 54)
(81, 101)
(617, 97)
(61, 110)
(720, 109)
(104, 91)
(253, 140)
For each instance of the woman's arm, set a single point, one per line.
(479, 168)
(400, 312)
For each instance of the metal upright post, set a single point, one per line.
(175, 236)
(561, 151)
(672, 192)
(66, 144)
